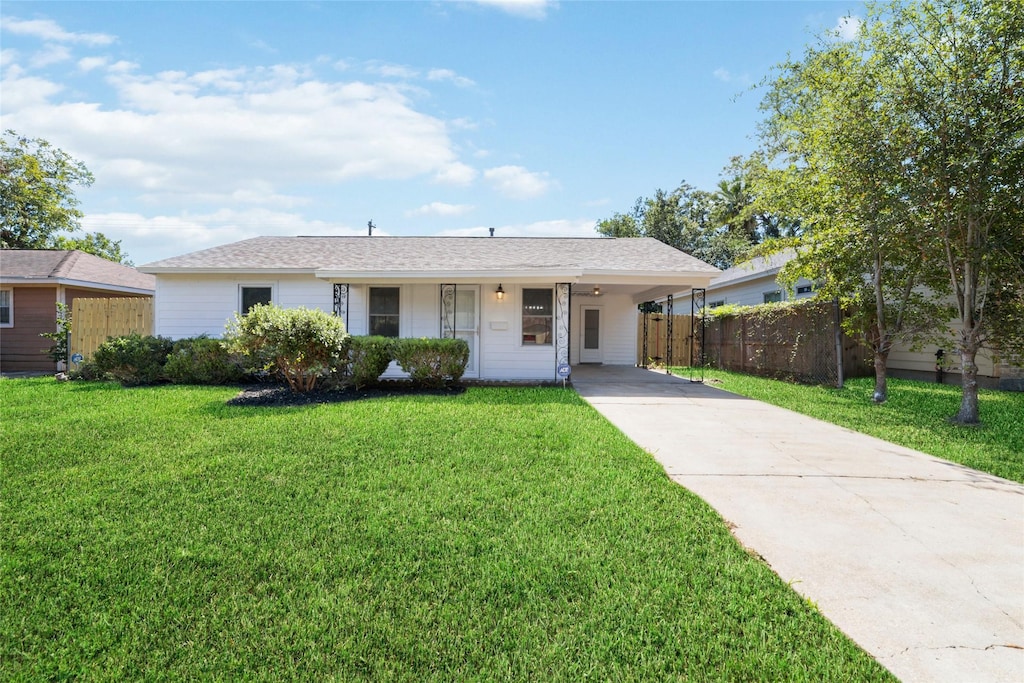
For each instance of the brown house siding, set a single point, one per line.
(21, 347)
(35, 312)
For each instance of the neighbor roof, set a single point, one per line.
(426, 257)
(754, 268)
(76, 268)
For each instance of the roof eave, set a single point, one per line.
(187, 270)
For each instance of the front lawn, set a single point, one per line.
(500, 534)
(916, 416)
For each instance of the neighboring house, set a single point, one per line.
(755, 282)
(749, 283)
(524, 305)
(33, 282)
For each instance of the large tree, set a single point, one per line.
(904, 151)
(37, 198)
(840, 171)
(687, 219)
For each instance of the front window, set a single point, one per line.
(384, 307)
(6, 308)
(255, 295)
(773, 297)
(538, 317)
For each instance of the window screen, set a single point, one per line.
(384, 309)
(255, 295)
(538, 319)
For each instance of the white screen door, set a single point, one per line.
(590, 347)
(467, 315)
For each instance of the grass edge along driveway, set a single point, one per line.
(915, 416)
(501, 534)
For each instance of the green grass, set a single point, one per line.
(916, 416)
(501, 534)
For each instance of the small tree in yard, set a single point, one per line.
(302, 345)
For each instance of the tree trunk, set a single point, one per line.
(968, 414)
(881, 394)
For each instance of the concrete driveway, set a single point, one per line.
(920, 561)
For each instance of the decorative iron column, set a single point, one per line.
(668, 333)
(697, 297)
(341, 302)
(562, 295)
(647, 317)
(448, 311)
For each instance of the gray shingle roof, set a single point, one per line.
(436, 254)
(759, 265)
(43, 265)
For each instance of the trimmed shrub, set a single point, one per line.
(370, 357)
(302, 345)
(203, 360)
(133, 360)
(432, 362)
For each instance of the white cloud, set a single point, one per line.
(50, 54)
(846, 28)
(529, 9)
(517, 183)
(581, 227)
(151, 238)
(440, 209)
(727, 76)
(49, 30)
(8, 56)
(24, 93)
(450, 76)
(91, 63)
(456, 173)
(220, 132)
(386, 70)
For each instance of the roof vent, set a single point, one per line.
(492, 231)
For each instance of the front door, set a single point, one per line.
(590, 335)
(467, 316)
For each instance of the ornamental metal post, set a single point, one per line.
(643, 359)
(697, 297)
(341, 302)
(668, 333)
(563, 292)
(448, 311)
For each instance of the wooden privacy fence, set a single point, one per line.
(657, 340)
(804, 343)
(93, 321)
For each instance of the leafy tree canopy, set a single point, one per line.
(902, 153)
(38, 206)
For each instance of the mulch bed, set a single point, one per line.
(278, 396)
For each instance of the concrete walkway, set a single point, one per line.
(918, 560)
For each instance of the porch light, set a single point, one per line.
(597, 290)
(499, 293)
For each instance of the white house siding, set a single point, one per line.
(902, 358)
(618, 328)
(749, 293)
(193, 304)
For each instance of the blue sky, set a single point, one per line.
(206, 123)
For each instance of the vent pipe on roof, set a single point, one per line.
(492, 231)
(370, 226)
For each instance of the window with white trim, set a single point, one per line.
(716, 304)
(384, 307)
(6, 308)
(805, 289)
(250, 295)
(538, 316)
